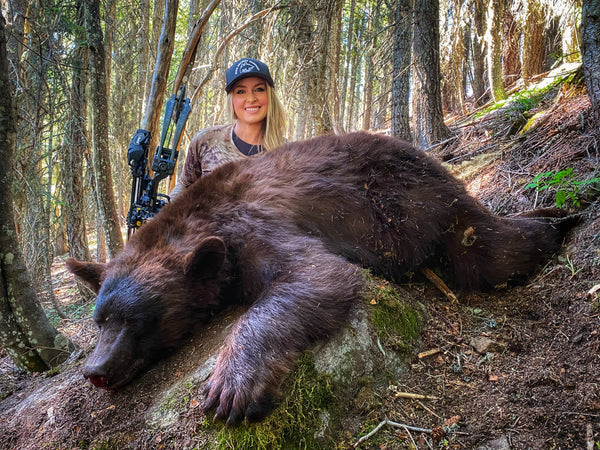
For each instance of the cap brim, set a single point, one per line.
(232, 83)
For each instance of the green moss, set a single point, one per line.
(397, 323)
(296, 422)
(178, 398)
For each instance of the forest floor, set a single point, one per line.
(515, 368)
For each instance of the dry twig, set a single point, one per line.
(425, 354)
(392, 424)
(415, 396)
(437, 281)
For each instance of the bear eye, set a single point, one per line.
(102, 320)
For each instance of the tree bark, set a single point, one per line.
(255, 31)
(347, 61)
(427, 98)
(318, 66)
(101, 156)
(533, 43)
(73, 150)
(571, 38)
(453, 61)
(479, 51)
(334, 67)
(25, 332)
(511, 60)
(401, 69)
(494, 41)
(590, 49)
(372, 30)
(312, 24)
(161, 73)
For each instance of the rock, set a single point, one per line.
(483, 345)
(500, 443)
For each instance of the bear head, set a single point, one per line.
(147, 303)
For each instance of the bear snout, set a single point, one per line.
(96, 377)
(98, 381)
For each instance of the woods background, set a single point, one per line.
(81, 72)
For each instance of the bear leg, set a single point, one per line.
(308, 301)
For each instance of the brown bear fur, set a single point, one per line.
(282, 233)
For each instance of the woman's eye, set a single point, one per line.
(260, 89)
(240, 91)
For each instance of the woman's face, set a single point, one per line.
(250, 103)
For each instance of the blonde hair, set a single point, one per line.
(274, 124)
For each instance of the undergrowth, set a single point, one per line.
(295, 423)
(564, 184)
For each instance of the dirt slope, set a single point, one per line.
(516, 368)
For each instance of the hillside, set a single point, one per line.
(515, 368)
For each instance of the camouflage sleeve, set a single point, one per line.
(208, 149)
(192, 168)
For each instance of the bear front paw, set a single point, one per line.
(235, 397)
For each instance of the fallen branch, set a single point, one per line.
(436, 433)
(591, 294)
(437, 281)
(415, 396)
(425, 354)
(393, 424)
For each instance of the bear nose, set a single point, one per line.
(95, 377)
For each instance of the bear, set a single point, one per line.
(287, 233)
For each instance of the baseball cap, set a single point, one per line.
(244, 68)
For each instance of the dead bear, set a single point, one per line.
(284, 233)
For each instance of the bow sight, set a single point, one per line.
(146, 201)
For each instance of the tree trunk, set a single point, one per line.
(368, 92)
(511, 58)
(73, 149)
(344, 85)
(427, 99)
(453, 61)
(255, 31)
(99, 104)
(313, 21)
(590, 49)
(533, 43)
(551, 40)
(25, 331)
(109, 41)
(143, 57)
(372, 30)
(46, 227)
(401, 69)
(334, 67)
(494, 41)
(479, 51)
(571, 37)
(319, 64)
(161, 73)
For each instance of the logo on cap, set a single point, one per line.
(245, 66)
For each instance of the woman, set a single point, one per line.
(258, 123)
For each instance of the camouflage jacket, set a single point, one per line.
(209, 149)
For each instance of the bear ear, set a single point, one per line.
(91, 273)
(206, 260)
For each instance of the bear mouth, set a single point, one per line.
(104, 381)
(99, 381)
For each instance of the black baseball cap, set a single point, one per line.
(244, 68)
